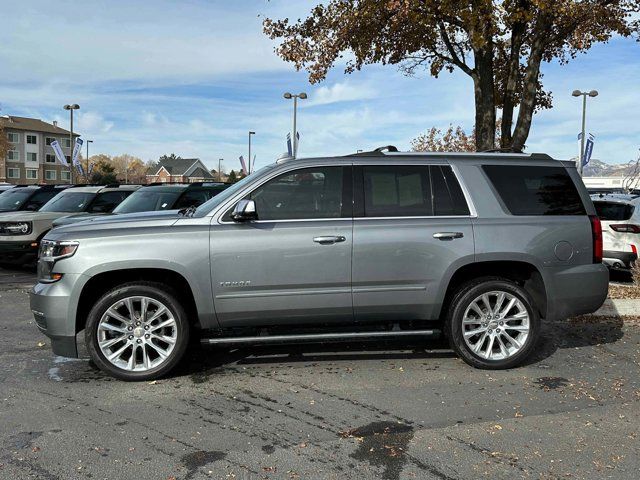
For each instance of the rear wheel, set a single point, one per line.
(137, 331)
(492, 323)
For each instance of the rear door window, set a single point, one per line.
(39, 199)
(192, 198)
(412, 191)
(613, 211)
(531, 190)
(448, 198)
(397, 191)
(107, 201)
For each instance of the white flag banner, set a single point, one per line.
(59, 153)
(243, 165)
(76, 151)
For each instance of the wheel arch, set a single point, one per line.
(523, 273)
(102, 282)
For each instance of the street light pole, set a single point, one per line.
(294, 134)
(220, 160)
(249, 160)
(578, 93)
(86, 172)
(71, 108)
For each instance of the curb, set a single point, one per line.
(624, 307)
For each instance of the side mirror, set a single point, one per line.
(245, 211)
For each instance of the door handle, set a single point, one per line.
(448, 235)
(329, 240)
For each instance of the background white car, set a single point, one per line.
(620, 217)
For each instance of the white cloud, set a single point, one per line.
(342, 92)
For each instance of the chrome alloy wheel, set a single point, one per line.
(495, 325)
(137, 333)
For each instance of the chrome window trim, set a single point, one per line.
(415, 217)
(217, 216)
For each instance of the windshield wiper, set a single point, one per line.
(188, 212)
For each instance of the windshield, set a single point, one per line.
(222, 197)
(69, 202)
(148, 201)
(13, 199)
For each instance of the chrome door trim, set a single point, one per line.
(284, 293)
(408, 288)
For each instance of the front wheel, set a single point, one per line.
(492, 323)
(137, 331)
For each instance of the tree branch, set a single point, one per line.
(455, 59)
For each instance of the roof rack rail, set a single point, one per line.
(377, 151)
(502, 150)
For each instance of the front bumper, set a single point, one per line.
(575, 290)
(18, 252)
(619, 260)
(54, 309)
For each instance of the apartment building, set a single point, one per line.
(30, 158)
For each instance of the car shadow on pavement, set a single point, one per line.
(582, 331)
(201, 362)
(204, 360)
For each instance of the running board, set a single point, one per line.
(322, 337)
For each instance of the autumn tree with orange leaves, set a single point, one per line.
(500, 45)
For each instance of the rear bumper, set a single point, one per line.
(615, 259)
(575, 290)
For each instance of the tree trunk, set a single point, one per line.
(528, 101)
(508, 100)
(483, 85)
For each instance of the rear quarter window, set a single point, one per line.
(531, 190)
(613, 211)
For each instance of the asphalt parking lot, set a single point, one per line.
(383, 411)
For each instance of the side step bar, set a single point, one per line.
(321, 337)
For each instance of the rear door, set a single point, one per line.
(412, 224)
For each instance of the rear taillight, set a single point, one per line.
(625, 228)
(596, 234)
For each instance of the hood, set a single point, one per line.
(119, 221)
(69, 219)
(29, 216)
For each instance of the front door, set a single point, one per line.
(412, 226)
(293, 264)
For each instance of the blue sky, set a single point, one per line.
(194, 76)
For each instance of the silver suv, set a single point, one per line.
(382, 244)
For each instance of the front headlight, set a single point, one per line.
(15, 228)
(50, 252)
(56, 250)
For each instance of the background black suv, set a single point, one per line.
(28, 197)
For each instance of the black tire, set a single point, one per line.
(464, 296)
(156, 291)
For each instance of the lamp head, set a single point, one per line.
(287, 95)
(576, 93)
(593, 93)
(302, 96)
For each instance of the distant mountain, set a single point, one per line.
(598, 168)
